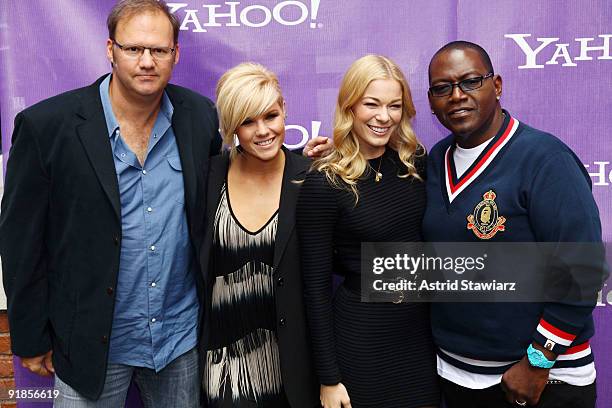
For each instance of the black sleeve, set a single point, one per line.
(317, 214)
(23, 220)
(562, 209)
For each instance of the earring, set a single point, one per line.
(432, 112)
(498, 97)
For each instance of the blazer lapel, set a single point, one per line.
(94, 137)
(216, 178)
(288, 201)
(183, 132)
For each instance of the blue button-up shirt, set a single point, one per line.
(156, 304)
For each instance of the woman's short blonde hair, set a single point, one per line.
(345, 165)
(245, 91)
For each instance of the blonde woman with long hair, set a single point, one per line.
(254, 337)
(368, 189)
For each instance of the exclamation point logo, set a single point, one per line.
(314, 10)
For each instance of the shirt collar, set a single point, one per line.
(111, 121)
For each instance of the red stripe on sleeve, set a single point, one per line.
(577, 349)
(556, 331)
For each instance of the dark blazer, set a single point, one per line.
(299, 380)
(60, 225)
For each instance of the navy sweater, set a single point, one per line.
(542, 194)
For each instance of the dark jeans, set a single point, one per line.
(554, 396)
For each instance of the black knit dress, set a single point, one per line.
(382, 352)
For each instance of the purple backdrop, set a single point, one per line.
(555, 59)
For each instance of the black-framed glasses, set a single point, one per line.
(466, 85)
(136, 51)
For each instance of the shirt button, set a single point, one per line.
(116, 239)
(153, 320)
(153, 284)
(104, 339)
(152, 247)
(122, 154)
(149, 209)
(109, 290)
(144, 172)
(280, 281)
(282, 322)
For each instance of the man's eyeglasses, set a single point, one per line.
(466, 85)
(136, 51)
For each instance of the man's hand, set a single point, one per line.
(525, 383)
(41, 365)
(318, 147)
(335, 396)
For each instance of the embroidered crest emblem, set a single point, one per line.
(485, 221)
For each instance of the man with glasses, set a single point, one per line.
(533, 189)
(100, 221)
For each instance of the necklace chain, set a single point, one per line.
(377, 174)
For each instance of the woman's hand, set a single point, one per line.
(335, 396)
(318, 147)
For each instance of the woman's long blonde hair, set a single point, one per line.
(345, 165)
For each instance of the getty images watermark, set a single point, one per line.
(405, 263)
(481, 272)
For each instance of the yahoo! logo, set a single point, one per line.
(234, 14)
(304, 134)
(602, 176)
(604, 297)
(561, 50)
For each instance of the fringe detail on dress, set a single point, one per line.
(250, 281)
(251, 365)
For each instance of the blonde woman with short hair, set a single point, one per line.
(369, 189)
(254, 340)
